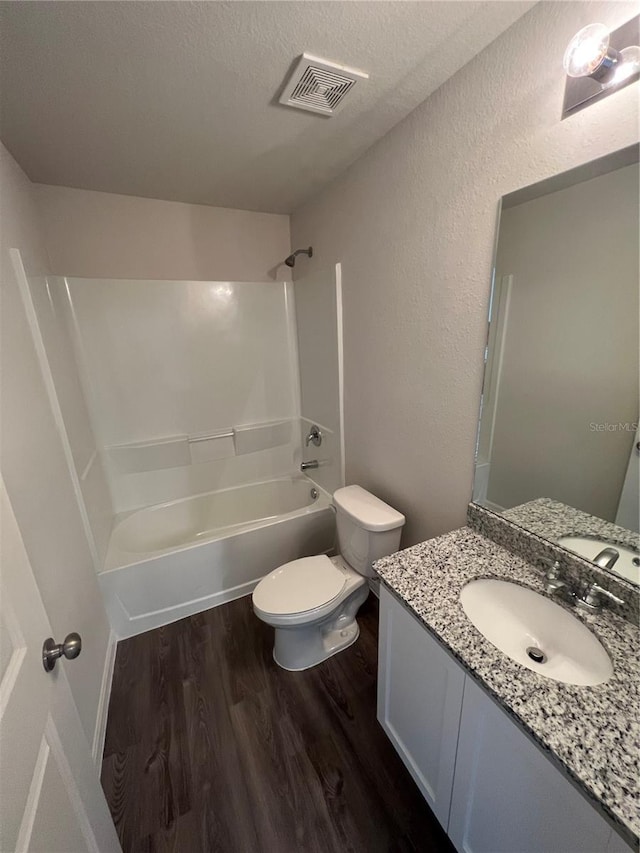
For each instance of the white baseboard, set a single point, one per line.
(103, 703)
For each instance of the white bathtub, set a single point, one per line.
(168, 561)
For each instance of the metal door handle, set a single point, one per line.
(51, 650)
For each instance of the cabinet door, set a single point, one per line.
(508, 797)
(617, 845)
(419, 701)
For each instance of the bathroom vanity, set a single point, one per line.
(519, 717)
(508, 759)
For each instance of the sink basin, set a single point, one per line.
(624, 566)
(535, 632)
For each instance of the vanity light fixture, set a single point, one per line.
(590, 54)
(598, 62)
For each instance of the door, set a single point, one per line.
(419, 702)
(50, 796)
(507, 796)
(628, 514)
(493, 357)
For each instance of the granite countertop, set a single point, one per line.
(593, 732)
(552, 520)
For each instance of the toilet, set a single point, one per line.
(312, 602)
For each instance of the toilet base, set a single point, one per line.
(333, 643)
(302, 647)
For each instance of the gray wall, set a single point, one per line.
(413, 222)
(104, 235)
(571, 346)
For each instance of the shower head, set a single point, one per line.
(291, 260)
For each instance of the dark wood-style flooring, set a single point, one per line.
(212, 747)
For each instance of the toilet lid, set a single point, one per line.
(298, 586)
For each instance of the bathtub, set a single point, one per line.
(169, 561)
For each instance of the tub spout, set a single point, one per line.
(312, 463)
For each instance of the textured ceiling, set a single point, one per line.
(178, 100)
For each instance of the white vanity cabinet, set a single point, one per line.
(489, 785)
(420, 690)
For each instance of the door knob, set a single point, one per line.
(51, 650)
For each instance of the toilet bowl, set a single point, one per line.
(312, 602)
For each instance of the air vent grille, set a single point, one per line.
(319, 86)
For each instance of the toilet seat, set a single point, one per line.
(301, 586)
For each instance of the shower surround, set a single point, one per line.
(194, 394)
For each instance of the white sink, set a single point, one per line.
(523, 624)
(590, 548)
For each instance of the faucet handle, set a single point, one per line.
(314, 437)
(553, 568)
(556, 579)
(594, 595)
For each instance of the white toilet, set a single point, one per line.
(312, 602)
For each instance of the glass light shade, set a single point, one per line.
(586, 50)
(629, 64)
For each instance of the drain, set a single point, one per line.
(536, 655)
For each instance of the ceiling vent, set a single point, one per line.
(319, 86)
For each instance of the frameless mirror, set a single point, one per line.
(558, 447)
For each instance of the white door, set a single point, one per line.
(493, 358)
(50, 796)
(419, 701)
(629, 507)
(508, 797)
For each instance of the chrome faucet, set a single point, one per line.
(314, 437)
(607, 558)
(312, 463)
(589, 596)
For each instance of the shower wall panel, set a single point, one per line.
(318, 306)
(169, 361)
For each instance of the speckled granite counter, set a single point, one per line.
(552, 519)
(593, 732)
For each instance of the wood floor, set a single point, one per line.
(212, 747)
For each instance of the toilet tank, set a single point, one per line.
(368, 528)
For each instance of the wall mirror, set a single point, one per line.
(558, 447)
